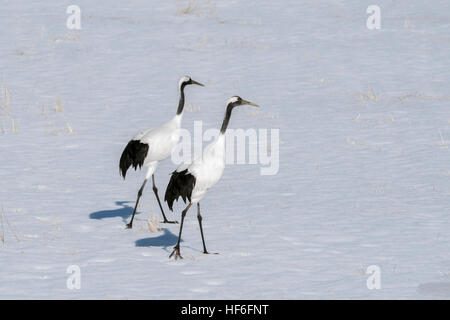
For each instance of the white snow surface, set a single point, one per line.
(364, 119)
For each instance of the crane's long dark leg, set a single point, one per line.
(130, 225)
(155, 190)
(176, 249)
(199, 217)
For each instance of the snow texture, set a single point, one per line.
(364, 177)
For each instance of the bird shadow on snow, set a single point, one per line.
(167, 239)
(125, 211)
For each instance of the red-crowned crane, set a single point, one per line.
(151, 146)
(192, 181)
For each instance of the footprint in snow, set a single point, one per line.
(191, 272)
(106, 260)
(43, 267)
(84, 228)
(147, 254)
(199, 290)
(290, 239)
(214, 282)
(175, 263)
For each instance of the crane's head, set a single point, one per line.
(185, 80)
(231, 103)
(238, 101)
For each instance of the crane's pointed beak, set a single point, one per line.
(197, 83)
(250, 103)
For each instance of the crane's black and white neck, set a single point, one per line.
(184, 81)
(231, 104)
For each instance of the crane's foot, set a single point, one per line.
(129, 226)
(176, 251)
(168, 221)
(206, 252)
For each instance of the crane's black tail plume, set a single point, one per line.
(180, 184)
(133, 155)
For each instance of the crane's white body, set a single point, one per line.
(161, 142)
(207, 169)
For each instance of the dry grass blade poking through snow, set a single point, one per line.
(5, 111)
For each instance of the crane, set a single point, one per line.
(192, 181)
(151, 146)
